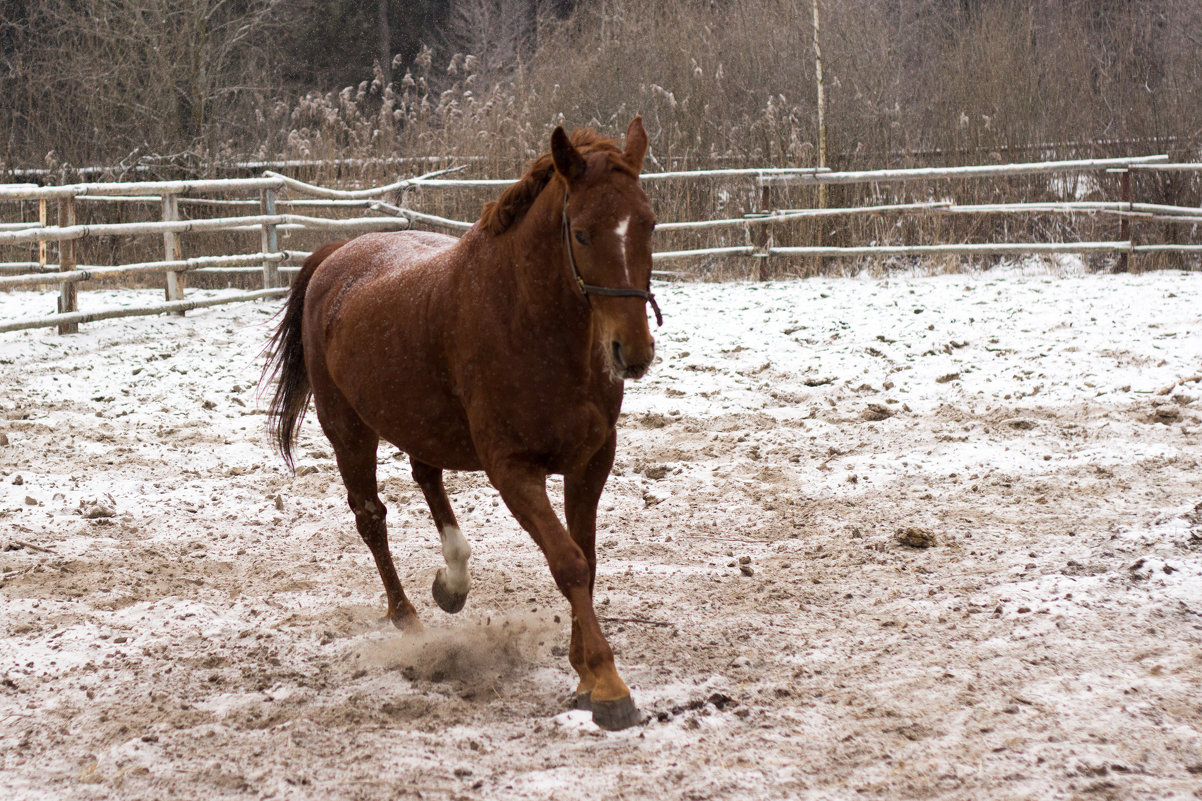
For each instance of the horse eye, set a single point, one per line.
(581, 237)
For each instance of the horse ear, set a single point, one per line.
(568, 161)
(636, 143)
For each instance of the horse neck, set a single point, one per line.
(548, 297)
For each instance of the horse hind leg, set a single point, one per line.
(451, 583)
(355, 451)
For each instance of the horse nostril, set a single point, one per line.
(617, 353)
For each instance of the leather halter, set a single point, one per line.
(590, 289)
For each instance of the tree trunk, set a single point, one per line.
(384, 39)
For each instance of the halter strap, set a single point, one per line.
(590, 289)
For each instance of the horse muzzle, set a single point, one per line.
(626, 362)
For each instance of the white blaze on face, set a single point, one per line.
(620, 232)
(456, 551)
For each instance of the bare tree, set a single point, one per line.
(497, 33)
(384, 41)
(161, 75)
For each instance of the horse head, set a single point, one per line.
(607, 225)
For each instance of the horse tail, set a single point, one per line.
(286, 361)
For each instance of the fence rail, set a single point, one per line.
(177, 307)
(270, 200)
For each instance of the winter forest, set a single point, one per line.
(189, 84)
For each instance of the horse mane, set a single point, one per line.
(501, 214)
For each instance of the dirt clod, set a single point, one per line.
(656, 471)
(914, 537)
(1166, 414)
(876, 412)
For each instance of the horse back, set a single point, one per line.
(364, 272)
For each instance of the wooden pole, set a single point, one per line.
(172, 250)
(821, 109)
(816, 265)
(251, 223)
(86, 272)
(179, 307)
(68, 297)
(43, 246)
(761, 239)
(270, 239)
(1125, 222)
(978, 249)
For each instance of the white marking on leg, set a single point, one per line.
(620, 231)
(455, 551)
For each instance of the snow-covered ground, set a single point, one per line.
(181, 617)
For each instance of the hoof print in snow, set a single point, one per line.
(1021, 423)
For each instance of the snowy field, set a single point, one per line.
(183, 618)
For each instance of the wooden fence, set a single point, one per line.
(268, 205)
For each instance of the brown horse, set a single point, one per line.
(503, 351)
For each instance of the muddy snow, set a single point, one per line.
(916, 537)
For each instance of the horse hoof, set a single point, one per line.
(408, 624)
(620, 713)
(447, 601)
(583, 701)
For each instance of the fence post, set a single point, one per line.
(172, 250)
(1125, 221)
(270, 240)
(43, 246)
(68, 298)
(761, 239)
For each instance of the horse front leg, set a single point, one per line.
(524, 490)
(582, 493)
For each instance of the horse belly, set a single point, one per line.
(431, 431)
(410, 404)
